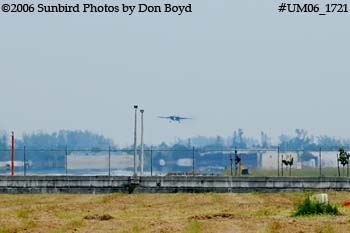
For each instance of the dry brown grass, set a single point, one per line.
(208, 212)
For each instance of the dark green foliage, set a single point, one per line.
(76, 139)
(129, 188)
(343, 157)
(308, 207)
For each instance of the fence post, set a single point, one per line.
(240, 166)
(347, 171)
(236, 161)
(24, 160)
(151, 161)
(66, 162)
(109, 161)
(193, 161)
(278, 160)
(347, 167)
(338, 164)
(13, 154)
(320, 158)
(282, 165)
(231, 164)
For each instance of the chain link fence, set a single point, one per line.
(160, 162)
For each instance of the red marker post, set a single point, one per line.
(13, 155)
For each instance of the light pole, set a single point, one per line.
(135, 143)
(142, 151)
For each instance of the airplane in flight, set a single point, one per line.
(175, 118)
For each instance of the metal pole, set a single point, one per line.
(282, 165)
(278, 160)
(13, 154)
(320, 158)
(66, 160)
(151, 160)
(135, 142)
(347, 171)
(235, 161)
(109, 161)
(290, 166)
(231, 163)
(240, 166)
(24, 161)
(193, 161)
(142, 145)
(347, 165)
(338, 165)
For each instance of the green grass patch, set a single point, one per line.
(308, 207)
(74, 224)
(193, 227)
(111, 197)
(64, 215)
(24, 213)
(216, 197)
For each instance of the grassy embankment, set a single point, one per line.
(211, 212)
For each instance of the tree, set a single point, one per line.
(3, 145)
(3, 140)
(265, 140)
(300, 141)
(343, 159)
(238, 139)
(328, 143)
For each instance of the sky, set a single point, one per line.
(228, 65)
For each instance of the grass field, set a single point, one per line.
(208, 212)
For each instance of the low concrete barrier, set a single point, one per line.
(106, 184)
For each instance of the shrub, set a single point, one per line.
(129, 188)
(308, 207)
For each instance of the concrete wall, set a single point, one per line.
(105, 184)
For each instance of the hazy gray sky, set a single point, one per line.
(229, 64)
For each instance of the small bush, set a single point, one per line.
(129, 188)
(308, 207)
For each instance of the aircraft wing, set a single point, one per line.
(185, 118)
(163, 117)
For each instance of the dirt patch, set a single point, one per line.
(104, 217)
(213, 216)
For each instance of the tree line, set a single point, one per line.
(80, 140)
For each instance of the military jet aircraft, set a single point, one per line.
(175, 118)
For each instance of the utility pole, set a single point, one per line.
(142, 145)
(135, 142)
